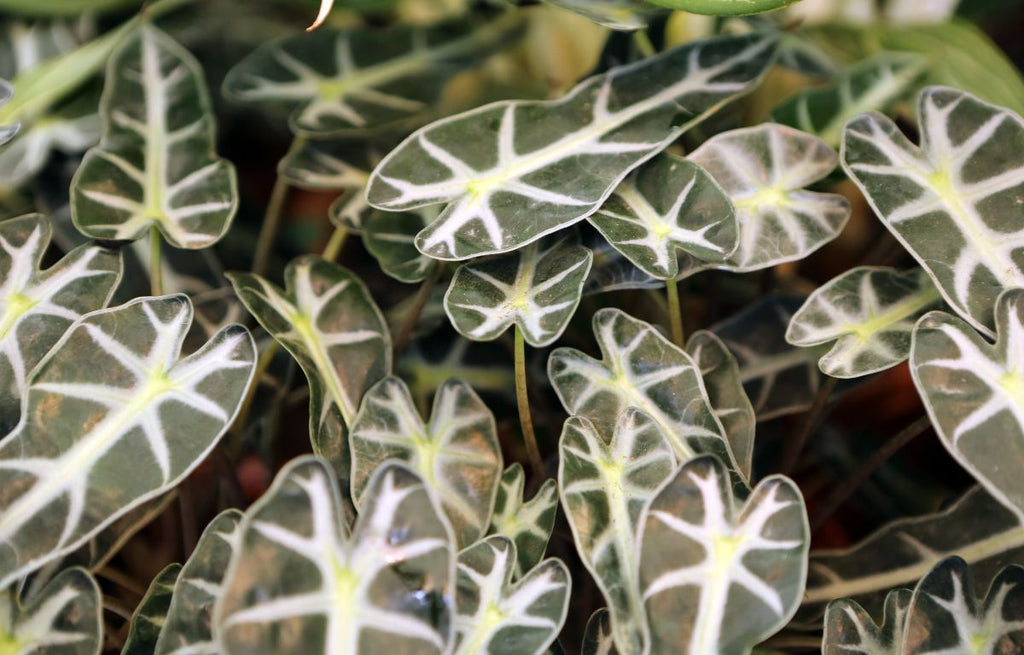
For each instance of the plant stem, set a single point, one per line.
(841, 493)
(418, 303)
(156, 271)
(272, 217)
(675, 314)
(335, 244)
(815, 415)
(643, 43)
(523, 400)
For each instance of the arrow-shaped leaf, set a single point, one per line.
(963, 182)
(869, 312)
(764, 170)
(669, 205)
(716, 577)
(511, 172)
(496, 616)
(64, 618)
(537, 288)
(598, 638)
(604, 487)
(337, 165)
(113, 390)
(148, 618)
(390, 237)
(849, 630)
(156, 166)
(300, 584)
(528, 523)
(457, 454)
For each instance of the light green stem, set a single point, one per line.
(675, 314)
(643, 43)
(335, 244)
(156, 271)
(523, 400)
(724, 7)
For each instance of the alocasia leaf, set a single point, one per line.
(37, 306)
(512, 172)
(598, 638)
(113, 390)
(974, 394)
(869, 312)
(7, 132)
(875, 84)
(300, 583)
(849, 630)
(537, 288)
(349, 81)
(326, 318)
(764, 170)
(390, 237)
(188, 628)
(626, 15)
(336, 165)
(148, 618)
(724, 7)
(639, 368)
(717, 577)
(946, 616)
(496, 616)
(156, 166)
(64, 618)
(457, 453)
(604, 487)
(962, 182)
(528, 523)
(670, 208)
(426, 366)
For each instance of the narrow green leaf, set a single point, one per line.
(427, 366)
(528, 523)
(625, 15)
(764, 170)
(148, 618)
(113, 390)
(962, 182)
(669, 205)
(869, 312)
(717, 577)
(64, 618)
(156, 165)
(299, 583)
(512, 172)
(537, 288)
(337, 165)
(598, 638)
(724, 7)
(849, 630)
(64, 7)
(498, 617)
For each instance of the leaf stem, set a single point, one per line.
(156, 271)
(272, 217)
(815, 415)
(418, 303)
(335, 244)
(523, 400)
(643, 43)
(675, 314)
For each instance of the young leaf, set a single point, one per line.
(669, 205)
(604, 487)
(974, 394)
(875, 84)
(188, 628)
(513, 171)
(945, 616)
(111, 391)
(156, 166)
(527, 523)
(390, 237)
(598, 638)
(336, 165)
(498, 617)
(717, 578)
(962, 182)
(36, 306)
(148, 618)
(869, 312)
(326, 318)
(729, 402)
(639, 368)
(625, 15)
(300, 584)
(340, 82)
(764, 170)
(537, 288)
(849, 630)
(457, 454)
(64, 618)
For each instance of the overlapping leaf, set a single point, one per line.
(764, 170)
(390, 238)
(495, 615)
(604, 487)
(511, 172)
(336, 165)
(598, 638)
(537, 288)
(974, 393)
(457, 454)
(669, 205)
(148, 618)
(639, 368)
(64, 618)
(962, 182)
(849, 630)
(156, 166)
(426, 366)
(869, 312)
(715, 577)
(113, 390)
(349, 81)
(7, 132)
(300, 584)
(36, 307)
(528, 523)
